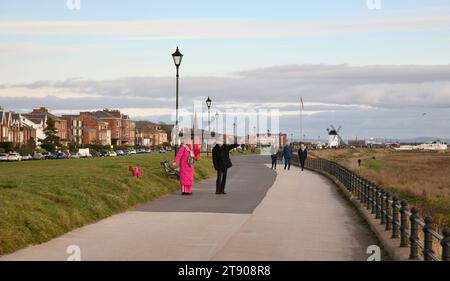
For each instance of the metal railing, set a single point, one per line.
(403, 222)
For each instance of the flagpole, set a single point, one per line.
(301, 119)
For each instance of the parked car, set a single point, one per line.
(75, 155)
(103, 153)
(27, 157)
(3, 157)
(162, 150)
(61, 155)
(38, 156)
(132, 151)
(13, 156)
(112, 154)
(48, 155)
(120, 153)
(84, 152)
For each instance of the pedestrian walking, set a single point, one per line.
(222, 162)
(302, 155)
(185, 158)
(274, 156)
(287, 154)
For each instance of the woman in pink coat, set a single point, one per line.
(186, 169)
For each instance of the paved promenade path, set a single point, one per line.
(266, 215)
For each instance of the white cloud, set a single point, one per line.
(221, 29)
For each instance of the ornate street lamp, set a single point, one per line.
(208, 104)
(177, 57)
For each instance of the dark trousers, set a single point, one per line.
(274, 161)
(287, 163)
(221, 181)
(302, 163)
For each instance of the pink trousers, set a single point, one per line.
(186, 188)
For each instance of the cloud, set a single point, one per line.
(365, 100)
(338, 85)
(222, 28)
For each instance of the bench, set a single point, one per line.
(169, 170)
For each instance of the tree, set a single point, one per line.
(51, 140)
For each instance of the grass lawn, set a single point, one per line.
(419, 177)
(40, 200)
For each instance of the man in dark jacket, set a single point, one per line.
(222, 162)
(302, 155)
(287, 154)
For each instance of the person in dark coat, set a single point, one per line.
(287, 154)
(222, 162)
(302, 155)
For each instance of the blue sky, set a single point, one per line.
(107, 42)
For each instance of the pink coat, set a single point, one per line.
(186, 171)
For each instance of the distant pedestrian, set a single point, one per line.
(302, 155)
(274, 156)
(222, 162)
(185, 158)
(359, 163)
(287, 154)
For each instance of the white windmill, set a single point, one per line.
(335, 139)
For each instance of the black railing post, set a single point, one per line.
(403, 224)
(428, 239)
(414, 237)
(388, 209)
(378, 203)
(368, 194)
(364, 191)
(395, 221)
(374, 196)
(358, 187)
(445, 243)
(382, 207)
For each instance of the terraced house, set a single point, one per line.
(149, 134)
(40, 115)
(122, 127)
(16, 129)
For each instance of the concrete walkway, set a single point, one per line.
(266, 215)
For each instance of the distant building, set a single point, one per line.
(122, 127)
(39, 115)
(95, 131)
(14, 129)
(74, 129)
(357, 143)
(150, 134)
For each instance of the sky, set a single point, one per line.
(378, 68)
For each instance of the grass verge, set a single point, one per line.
(41, 200)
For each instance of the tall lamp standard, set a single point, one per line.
(217, 122)
(208, 104)
(177, 57)
(235, 132)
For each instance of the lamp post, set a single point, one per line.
(217, 122)
(234, 132)
(208, 104)
(177, 57)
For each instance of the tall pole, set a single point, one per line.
(301, 122)
(209, 129)
(203, 130)
(217, 123)
(234, 132)
(176, 115)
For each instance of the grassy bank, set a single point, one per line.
(421, 178)
(41, 200)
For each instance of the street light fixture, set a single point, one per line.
(177, 57)
(208, 104)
